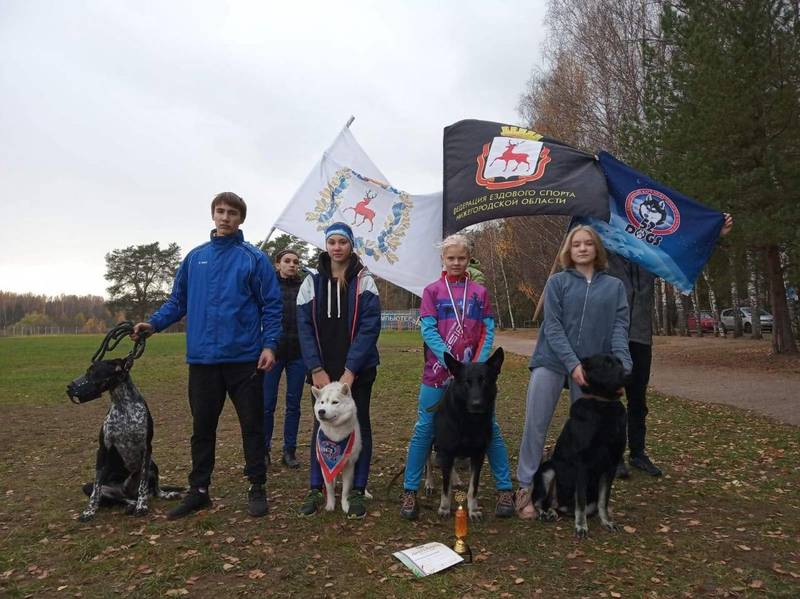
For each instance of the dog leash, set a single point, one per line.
(113, 339)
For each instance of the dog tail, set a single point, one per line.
(171, 489)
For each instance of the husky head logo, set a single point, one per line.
(652, 212)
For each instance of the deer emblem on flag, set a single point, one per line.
(361, 209)
(392, 208)
(509, 155)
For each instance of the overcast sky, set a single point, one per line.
(119, 121)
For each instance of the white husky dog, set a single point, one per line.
(338, 441)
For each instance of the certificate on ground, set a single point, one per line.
(428, 558)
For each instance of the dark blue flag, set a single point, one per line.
(664, 231)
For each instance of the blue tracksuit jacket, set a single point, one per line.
(230, 296)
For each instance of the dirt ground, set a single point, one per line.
(737, 372)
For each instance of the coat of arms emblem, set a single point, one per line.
(364, 203)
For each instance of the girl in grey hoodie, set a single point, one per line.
(585, 313)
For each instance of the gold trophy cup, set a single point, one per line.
(460, 546)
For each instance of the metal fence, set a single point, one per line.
(19, 330)
(391, 320)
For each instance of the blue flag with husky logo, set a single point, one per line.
(666, 232)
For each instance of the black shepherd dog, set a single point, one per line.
(125, 472)
(463, 423)
(579, 475)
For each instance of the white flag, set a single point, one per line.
(395, 232)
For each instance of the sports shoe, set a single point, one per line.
(289, 460)
(257, 501)
(356, 511)
(311, 503)
(194, 500)
(504, 508)
(622, 470)
(642, 462)
(524, 504)
(408, 505)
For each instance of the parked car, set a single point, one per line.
(726, 317)
(706, 322)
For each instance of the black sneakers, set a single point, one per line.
(408, 505)
(257, 501)
(357, 509)
(311, 503)
(289, 460)
(504, 508)
(642, 462)
(194, 500)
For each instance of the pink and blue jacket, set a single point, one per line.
(464, 327)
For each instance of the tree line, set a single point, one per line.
(703, 95)
(30, 312)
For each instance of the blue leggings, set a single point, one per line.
(422, 440)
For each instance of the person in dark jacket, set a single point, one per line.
(287, 358)
(639, 287)
(585, 313)
(228, 291)
(339, 320)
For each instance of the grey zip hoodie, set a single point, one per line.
(582, 318)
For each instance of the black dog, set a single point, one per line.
(579, 475)
(125, 471)
(463, 423)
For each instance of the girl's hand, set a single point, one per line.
(578, 376)
(320, 379)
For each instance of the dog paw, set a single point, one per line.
(141, 511)
(610, 526)
(548, 516)
(329, 507)
(475, 515)
(428, 491)
(86, 516)
(443, 512)
(581, 532)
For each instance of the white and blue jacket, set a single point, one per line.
(230, 296)
(363, 317)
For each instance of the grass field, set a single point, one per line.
(723, 521)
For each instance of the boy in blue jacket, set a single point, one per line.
(228, 291)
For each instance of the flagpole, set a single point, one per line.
(272, 230)
(263, 246)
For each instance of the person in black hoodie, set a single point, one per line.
(287, 357)
(338, 321)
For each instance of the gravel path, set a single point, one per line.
(736, 372)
